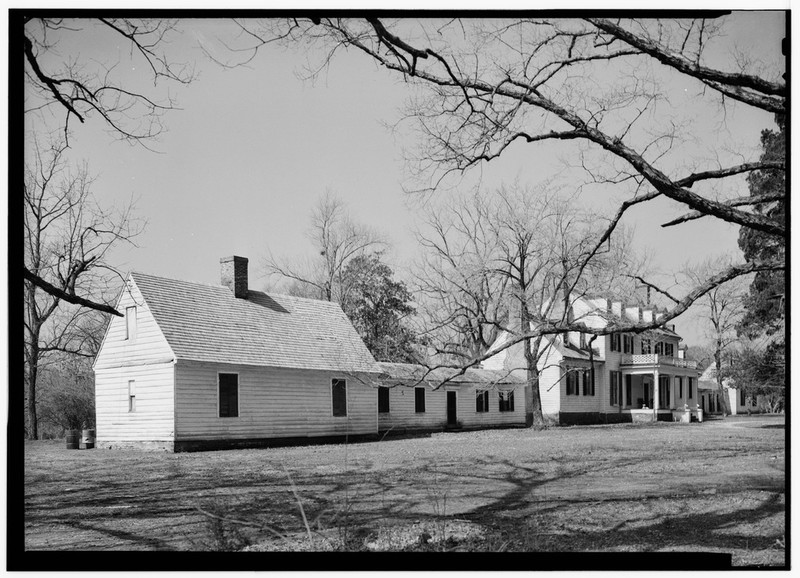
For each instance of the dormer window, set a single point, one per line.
(130, 322)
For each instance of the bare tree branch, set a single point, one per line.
(68, 297)
(726, 82)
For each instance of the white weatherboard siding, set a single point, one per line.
(146, 359)
(471, 418)
(401, 410)
(153, 418)
(401, 415)
(586, 403)
(148, 346)
(273, 403)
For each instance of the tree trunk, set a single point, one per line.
(533, 400)
(31, 375)
(723, 396)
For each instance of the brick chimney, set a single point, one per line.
(233, 275)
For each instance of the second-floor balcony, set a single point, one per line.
(656, 359)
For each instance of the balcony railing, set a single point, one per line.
(656, 359)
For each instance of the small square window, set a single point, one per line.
(506, 401)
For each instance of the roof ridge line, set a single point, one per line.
(220, 286)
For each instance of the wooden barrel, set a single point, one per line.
(73, 439)
(87, 440)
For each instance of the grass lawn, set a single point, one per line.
(712, 487)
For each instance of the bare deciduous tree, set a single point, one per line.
(488, 84)
(460, 297)
(69, 71)
(85, 84)
(67, 238)
(720, 310)
(337, 239)
(515, 260)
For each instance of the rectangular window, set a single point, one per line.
(482, 401)
(339, 395)
(614, 387)
(572, 382)
(228, 395)
(647, 347)
(627, 344)
(615, 342)
(506, 401)
(419, 399)
(131, 396)
(628, 388)
(130, 322)
(659, 348)
(691, 395)
(742, 397)
(383, 400)
(588, 384)
(669, 349)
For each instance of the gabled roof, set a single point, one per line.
(708, 379)
(207, 323)
(570, 351)
(413, 374)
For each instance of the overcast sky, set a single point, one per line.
(252, 149)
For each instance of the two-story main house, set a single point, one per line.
(623, 377)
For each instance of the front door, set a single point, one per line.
(452, 416)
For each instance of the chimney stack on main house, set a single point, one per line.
(233, 275)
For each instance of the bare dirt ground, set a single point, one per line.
(718, 486)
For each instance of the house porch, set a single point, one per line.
(649, 394)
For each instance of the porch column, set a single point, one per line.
(656, 393)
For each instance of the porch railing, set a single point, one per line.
(655, 359)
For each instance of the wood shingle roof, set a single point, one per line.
(207, 323)
(413, 374)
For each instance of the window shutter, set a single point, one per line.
(419, 399)
(383, 399)
(628, 387)
(339, 394)
(228, 395)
